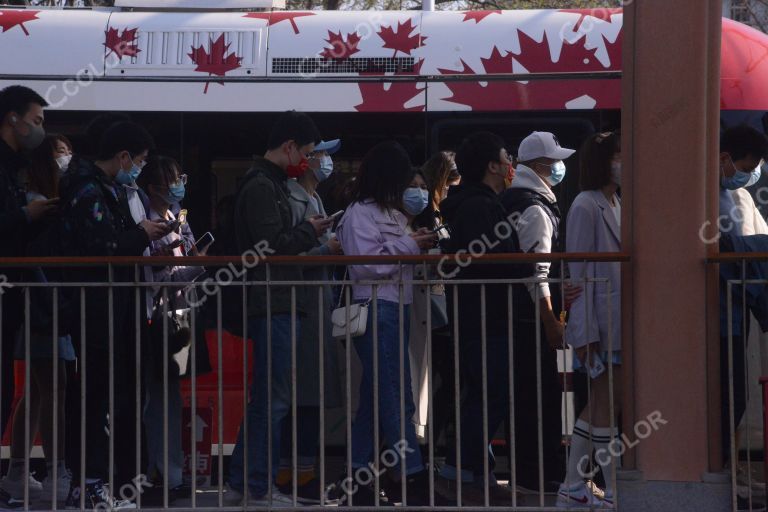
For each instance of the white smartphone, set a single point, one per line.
(336, 215)
(204, 241)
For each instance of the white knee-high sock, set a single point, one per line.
(605, 439)
(580, 454)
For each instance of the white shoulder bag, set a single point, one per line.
(358, 318)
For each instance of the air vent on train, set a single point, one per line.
(321, 65)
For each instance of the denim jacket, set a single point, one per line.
(366, 229)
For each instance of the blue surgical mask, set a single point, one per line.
(415, 200)
(325, 169)
(176, 193)
(754, 176)
(740, 179)
(128, 177)
(558, 173)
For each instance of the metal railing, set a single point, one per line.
(124, 279)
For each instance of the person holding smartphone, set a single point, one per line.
(305, 204)
(165, 185)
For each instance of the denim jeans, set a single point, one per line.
(257, 413)
(153, 424)
(389, 392)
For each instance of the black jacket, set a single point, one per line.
(478, 222)
(96, 221)
(263, 219)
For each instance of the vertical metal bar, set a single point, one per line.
(611, 407)
(321, 391)
(539, 399)
(484, 377)
(112, 423)
(376, 431)
(401, 359)
(348, 365)
(137, 398)
(294, 441)
(745, 363)
(430, 403)
(511, 370)
(55, 416)
(731, 408)
(27, 396)
(165, 396)
(270, 476)
(83, 377)
(193, 405)
(246, 439)
(457, 392)
(220, 398)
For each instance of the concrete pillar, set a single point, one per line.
(670, 125)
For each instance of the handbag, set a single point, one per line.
(358, 318)
(439, 306)
(179, 334)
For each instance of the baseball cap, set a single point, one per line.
(542, 145)
(330, 146)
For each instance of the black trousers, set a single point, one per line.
(13, 321)
(739, 388)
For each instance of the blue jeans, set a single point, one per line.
(257, 415)
(389, 392)
(153, 424)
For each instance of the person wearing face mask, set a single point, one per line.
(263, 221)
(306, 204)
(96, 221)
(594, 320)
(21, 130)
(530, 198)
(47, 163)
(478, 222)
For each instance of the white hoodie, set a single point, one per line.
(534, 227)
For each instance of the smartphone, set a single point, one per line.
(182, 216)
(440, 228)
(173, 225)
(336, 215)
(204, 241)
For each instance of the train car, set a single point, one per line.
(209, 83)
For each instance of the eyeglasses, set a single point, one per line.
(182, 179)
(602, 136)
(141, 165)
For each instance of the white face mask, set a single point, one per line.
(616, 172)
(326, 168)
(63, 162)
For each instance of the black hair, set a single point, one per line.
(475, 153)
(43, 170)
(295, 126)
(744, 141)
(17, 98)
(124, 136)
(384, 174)
(95, 129)
(595, 159)
(159, 171)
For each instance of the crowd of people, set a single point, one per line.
(118, 197)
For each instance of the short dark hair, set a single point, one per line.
(475, 153)
(17, 98)
(384, 174)
(159, 171)
(744, 141)
(96, 128)
(124, 136)
(296, 126)
(595, 159)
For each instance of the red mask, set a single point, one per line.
(296, 170)
(510, 172)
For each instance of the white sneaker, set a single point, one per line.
(16, 487)
(278, 500)
(64, 481)
(579, 497)
(747, 480)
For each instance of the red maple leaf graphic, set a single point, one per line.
(341, 49)
(274, 18)
(390, 96)
(401, 39)
(477, 16)
(12, 17)
(604, 14)
(215, 63)
(539, 94)
(124, 43)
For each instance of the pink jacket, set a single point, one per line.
(367, 229)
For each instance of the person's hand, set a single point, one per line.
(320, 224)
(553, 330)
(155, 230)
(42, 208)
(571, 292)
(424, 238)
(334, 246)
(167, 249)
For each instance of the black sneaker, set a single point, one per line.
(8, 503)
(342, 492)
(417, 489)
(96, 496)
